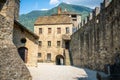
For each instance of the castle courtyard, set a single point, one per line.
(49, 71)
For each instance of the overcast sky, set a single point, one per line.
(27, 6)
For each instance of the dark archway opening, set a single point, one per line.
(60, 60)
(23, 53)
(67, 44)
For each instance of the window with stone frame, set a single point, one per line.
(67, 30)
(39, 55)
(58, 43)
(40, 43)
(49, 43)
(40, 30)
(49, 30)
(48, 56)
(58, 30)
(74, 19)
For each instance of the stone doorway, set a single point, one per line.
(23, 53)
(60, 60)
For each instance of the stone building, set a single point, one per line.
(54, 36)
(75, 17)
(11, 65)
(26, 43)
(97, 42)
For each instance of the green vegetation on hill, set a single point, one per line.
(28, 19)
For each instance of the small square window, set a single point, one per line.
(40, 43)
(67, 30)
(58, 43)
(49, 43)
(48, 56)
(58, 30)
(40, 30)
(39, 55)
(49, 30)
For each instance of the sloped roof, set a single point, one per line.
(66, 12)
(57, 19)
(21, 26)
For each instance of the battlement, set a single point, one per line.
(98, 37)
(97, 11)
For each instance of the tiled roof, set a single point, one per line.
(22, 27)
(57, 19)
(66, 12)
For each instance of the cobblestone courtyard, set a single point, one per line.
(54, 72)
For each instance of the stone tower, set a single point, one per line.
(11, 65)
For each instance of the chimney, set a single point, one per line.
(59, 10)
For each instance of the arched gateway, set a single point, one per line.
(23, 53)
(60, 60)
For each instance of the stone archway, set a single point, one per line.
(60, 60)
(23, 51)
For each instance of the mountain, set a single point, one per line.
(28, 19)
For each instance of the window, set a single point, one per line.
(49, 30)
(74, 16)
(48, 56)
(74, 19)
(39, 55)
(40, 30)
(74, 29)
(58, 30)
(23, 40)
(58, 43)
(49, 43)
(40, 43)
(67, 30)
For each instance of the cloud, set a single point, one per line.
(72, 1)
(54, 2)
(44, 9)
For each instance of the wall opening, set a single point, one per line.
(60, 60)
(23, 51)
(67, 44)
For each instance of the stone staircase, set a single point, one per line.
(67, 57)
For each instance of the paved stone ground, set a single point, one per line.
(54, 72)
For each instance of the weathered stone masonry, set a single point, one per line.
(97, 42)
(11, 66)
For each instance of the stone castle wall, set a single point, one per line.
(97, 42)
(11, 66)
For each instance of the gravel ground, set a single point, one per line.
(46, 71)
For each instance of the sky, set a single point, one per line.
(27, 6)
